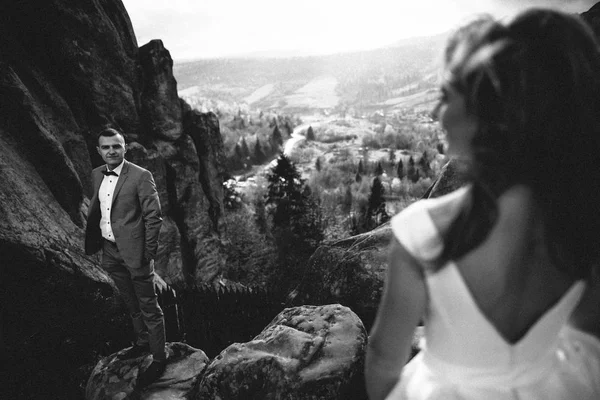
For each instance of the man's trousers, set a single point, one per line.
(137, 290)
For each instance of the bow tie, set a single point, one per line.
(109, 173)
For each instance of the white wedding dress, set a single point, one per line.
(465, 357)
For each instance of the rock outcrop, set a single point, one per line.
(592, 17)
(306, 352)
(160, 102)
(113, 378)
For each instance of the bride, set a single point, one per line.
(496, 269)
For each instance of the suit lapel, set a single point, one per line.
(94, 210)
(96, 181)
(121, 180)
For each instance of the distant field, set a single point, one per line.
(259, 93)
(421, 101)
(319, 93)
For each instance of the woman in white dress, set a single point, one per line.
(496, 270)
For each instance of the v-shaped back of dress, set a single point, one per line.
(458, 332)
(460, 342)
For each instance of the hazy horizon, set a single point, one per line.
(191, 30)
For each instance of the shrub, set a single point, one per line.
(329, 177)
(232, 198)
(331, 136)
(419, 188)
(404, 140)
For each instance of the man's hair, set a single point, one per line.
(109, 132)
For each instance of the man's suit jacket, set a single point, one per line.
(135, 215)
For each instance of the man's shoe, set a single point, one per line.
(151, 374)
(134, 351)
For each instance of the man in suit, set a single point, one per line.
(124, 220)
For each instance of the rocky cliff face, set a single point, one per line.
(592, 17)
(68, 69)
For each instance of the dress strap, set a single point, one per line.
(415, 230)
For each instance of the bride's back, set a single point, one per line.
(510, 275)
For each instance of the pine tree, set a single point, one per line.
(378, 169)
(318, 164)
(308, 224)
(288, 127)
(412, 172)
(259, 154)
(296, 218)
(238, 157)
(400, 169)
(238, 151)
(276, 138)
(245, 149)
(376, 212)
(285, 189)
(361, 168)
(310, 134)
(424, 164)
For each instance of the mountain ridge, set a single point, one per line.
(365, 80)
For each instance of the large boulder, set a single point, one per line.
(306, 352)
(113, 378)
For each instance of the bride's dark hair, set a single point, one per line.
(534, 87)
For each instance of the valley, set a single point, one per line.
(370, 108)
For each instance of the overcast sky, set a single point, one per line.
(193, 29)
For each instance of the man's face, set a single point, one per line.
(112, 150)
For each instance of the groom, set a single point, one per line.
(124, 220)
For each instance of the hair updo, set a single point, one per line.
(534, 87)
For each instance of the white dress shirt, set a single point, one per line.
(105, 195)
